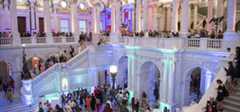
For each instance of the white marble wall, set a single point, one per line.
(174, 66)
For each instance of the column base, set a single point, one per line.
(49, 38)
(114, 37)
(16, 38)
(184, 34)
(231, 40)
(231, 36)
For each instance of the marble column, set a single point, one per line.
(14, 24)
(113, 17)
(74, 18)
(138, 16)
(47, 18)
(118, 15)
(96, 20)
(5, 21)
(150, 18)
(175, 7)
(155, 18)
(231, 15)
(32, 11)
(185, 17)
(55, 19)
(195, 17)
(210, 15)
(145, 15)
(220, 12)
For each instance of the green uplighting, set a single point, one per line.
(133, 47)
(163, 105)
(51, 97)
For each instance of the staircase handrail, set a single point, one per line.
(210, 93)
(57, 65)
(73, 60)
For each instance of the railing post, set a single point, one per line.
(34, 39)
(16, 40)
(26, 92)
(49, 38)
(203, 43)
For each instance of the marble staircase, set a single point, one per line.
(232, 102)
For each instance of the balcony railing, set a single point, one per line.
(167, 43)
(177, 43)
(6, 40)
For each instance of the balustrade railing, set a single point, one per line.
(178, 43)
(6, 40)
(41, 39)
(214, 43)
(157, 42)
(26, 40)
(70, 39)
(193, 43)
(57, 39)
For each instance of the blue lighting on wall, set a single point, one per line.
(106, 20)
(127, 12)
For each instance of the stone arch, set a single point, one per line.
(150, 81)
(122, 77)
(187, 82)
(237, 27)
(4, 71)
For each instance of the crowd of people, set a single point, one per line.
(5, 34)
(101, 99)
(7, 86)
(168, 34)
(228, 88)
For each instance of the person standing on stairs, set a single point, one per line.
(221, 94)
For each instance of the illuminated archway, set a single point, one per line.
(238, 26)
(122, 77)
(150, 81)
(4, 71)
(196, 82)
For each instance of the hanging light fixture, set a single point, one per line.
(82, 6)
(63, 4)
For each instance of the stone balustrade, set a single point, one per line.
(166, 43)
(175, 43)
(8, 41)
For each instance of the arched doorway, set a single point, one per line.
(150, 82)
(196, 83)
(238, 26)
(35, 65)
(4, 72)
(122, 77)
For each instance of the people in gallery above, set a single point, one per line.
(5, 34)
(167, 34)
(124, 32)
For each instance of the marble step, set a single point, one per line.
(17, 107)
(230, 108)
